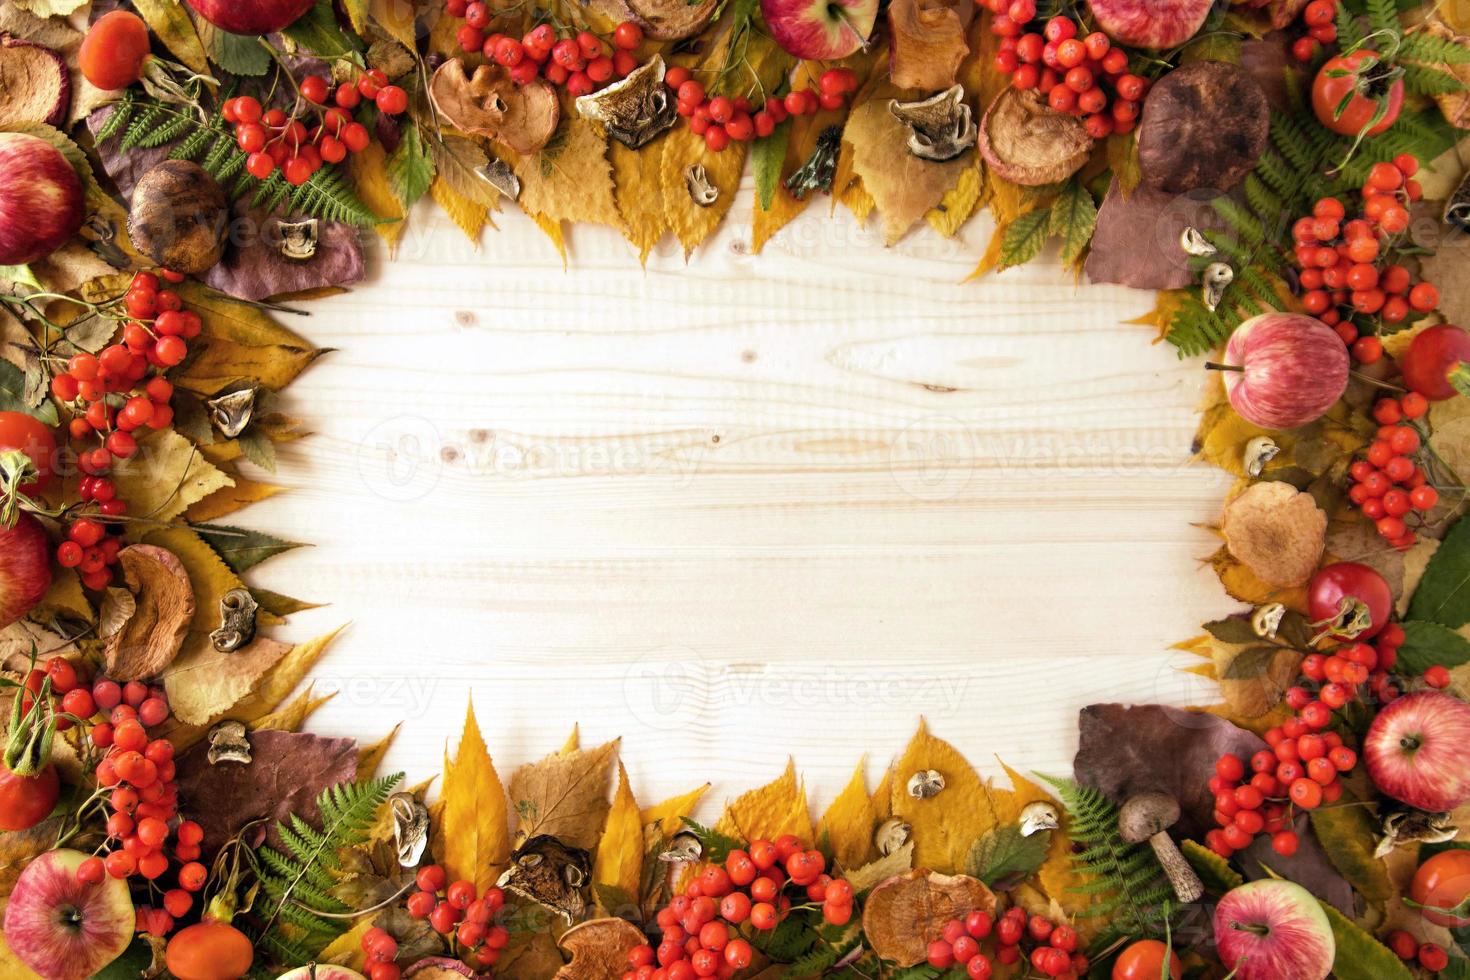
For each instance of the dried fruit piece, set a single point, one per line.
(661, 20)
(599, 949)
(1027, 142)
(163, 608)
(35, 85)
(488, 103)
(929, 41)
(1277, 531)
(1150, 23)
(1204, 126)
(907, 912)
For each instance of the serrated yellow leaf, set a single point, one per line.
(370, 176)
(848, 824)
(570, 179)
(64, 597)
(396, 17)
(468, 215)
(639, 196)
(552, 228)
(235, 321)
(883, 796)
(903, 186)
(346, 950)
(475, 821)
(278, 683)
(619, 862)
(666, 819)
(1167, 304)
(1241, 583)
(227, 500)
(357, 14)
(1058, 876)
(216, 363)
(857, 200)
(960, 202)
(573, 742)
(767, 813)
(165, 477)
(946, 825)
(292, 715)
(370, 757)
(170, 22)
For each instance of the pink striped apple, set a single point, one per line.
(820, 30)
(1418, 751)
(41, 199)
(1273, 930)
(251, 16)
(1283, 370)
(62, 928)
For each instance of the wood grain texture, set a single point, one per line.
(744, 508)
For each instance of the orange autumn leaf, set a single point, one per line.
(619, 862)
(847, 826)
(475, 824)
(570, 179)
(946, 825)
(766, 813)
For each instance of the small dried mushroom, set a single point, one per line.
(926, 783)
(298, 239)
(1148, 817)
(1277, 531)
(1258, 452)
(941, 127)
(1404, 825)
(1038, 816)
(701, 190)
(410, 828)
(179, 217)
(599, 949)
(1213, 282)
(1027, 142)
(929, 42)
(551, 874)
(231, 412)
(1204, 126)
(229, 743)
(904, 914)
(163, 607)
(488, 103)
(237, 611)
(635, 109)
(892, 834)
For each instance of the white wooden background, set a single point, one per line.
(743, 507)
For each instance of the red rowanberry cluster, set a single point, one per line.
(1074, 73)
(1052, 946)
(721, 120)
(1320, 19)
(700, 928)
(1389, 485)
(959, 944)
(1431, 956)
(275, 140)
(1345, 265)
(583, 62)
(456, 911)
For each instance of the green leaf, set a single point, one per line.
(319, 33)
(1217, 874)
(134, 962)
(258, 448)
(1427, 644)
(717, 846)
(1359, 955)
(242, 549)
(1024, 238)
(1235, 629)
(1002, 854)
(1349, 837)
(13, 396)
(1250, 664)
(1073, 220)
(766, 158)
(1443, 595)
(410, 168)
(237, 54)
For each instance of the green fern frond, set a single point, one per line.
(792, 939)
(1433, 49)
(142, 124)
(1423, 80)
(297, 880)
(1383, 15)
(328, 195)
(814, 963)
(122, 113)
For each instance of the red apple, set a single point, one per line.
(1418, 751)
(25, 568)
(1431, 356)
(820, 30)
(1150, 23)
(321, 971)
(252, 16)
(1354, 598)
(64, 929)
(41, 199)
(1273, 930)
(1283, 370)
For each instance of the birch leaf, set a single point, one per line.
(570, 179)
(564, 795)
(766, 813)
(476, 824)
(166, 476)
(639, 196)
(667, 818)
(619, 863)
(1073, 219)
(848, 824)
(467, 215)
(945, 825)
(396, 17)
(960, 202)
(410, 168)
(692, 224)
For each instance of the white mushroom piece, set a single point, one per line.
(1148, 817)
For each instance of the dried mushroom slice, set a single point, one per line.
(930, 41)
(1027, 142)
(488, 103)
(904, 914)
(635, 109)
(941, 127)
(163, 608)
(671, 20)
(599, 949)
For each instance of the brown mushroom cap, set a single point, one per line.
(179, 217)
(907, 912)
(1204, 126)
(1145, 815)
(1277, 531)
(599, 949)
(488, 103)
(164, 606)
(1027, 142)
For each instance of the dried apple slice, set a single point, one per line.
(163, 607)
(929, 42)
(599, 949)
(904, 914)
(1027, 142)
(35, 85)
(488, 103)
(1150, 23)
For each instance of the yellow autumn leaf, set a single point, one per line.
(370, 176)
(467, 215)
(227, 500)
(570, 179)
(619, 862)
(475, 823)
(1058, 875)
(292, 715)
(574, 740)
(230, 319)
(903, 186)
(204, 684)
(1167, 304)
(1241, 583)
(767, 813)
(638, 195)
(960, 202)
(216, 363)
(357, 15)
(64, 597)
(883, 796)
(370, 757)
(847, 826)
(276, 685)
(170, 23)
(680, 150)
(667, 818)
(165, 477)
(946, 825)
(564, 795)
(396, 17)
(857, 200)
(346, 950)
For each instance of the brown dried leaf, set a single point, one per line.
(599, 949)
(163, 607)
(564, 795)
(1277, 530)
(903, 915)
(903, 186)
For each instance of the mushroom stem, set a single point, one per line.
(1147, 817)
(1187, 885)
